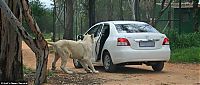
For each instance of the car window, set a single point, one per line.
(95, 30)
(135, 28)
(105, 28)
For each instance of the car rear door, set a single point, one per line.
(96, 30)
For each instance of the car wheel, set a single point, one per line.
(108, 64)
(157, 67)
(77, 64)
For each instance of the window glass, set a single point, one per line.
(105, 28)
(95, 30)
(135, 28)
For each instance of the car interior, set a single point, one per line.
(105, 33)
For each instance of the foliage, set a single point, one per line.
(38, 9)
(186, 55)
(185, 48)
(184, 40)
(51, 73)
(27, 70)
(42, 15)
(48, 35)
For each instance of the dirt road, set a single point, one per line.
(128, 75)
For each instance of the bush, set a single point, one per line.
(185, 47)
(184, 40)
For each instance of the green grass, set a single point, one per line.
(51, 73)
(27, 70)
(186, 55)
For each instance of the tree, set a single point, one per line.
(137, 13)
(146, 8)
(121, 10)
(42, 15)
(134, 5)
(91, 12)
(68, 32)
(38, 44)
(195, 15)
(163, 9)
(10, 46)
(110, 10)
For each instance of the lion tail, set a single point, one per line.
(51, 43)
(52, 46)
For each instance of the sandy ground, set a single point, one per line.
(184, 74)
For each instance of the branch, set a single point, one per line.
(163, 3)
(33, 25)
(26, 13)
(20, 29)
(164, 9)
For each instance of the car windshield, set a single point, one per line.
(135, 28)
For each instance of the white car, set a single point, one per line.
(128, 43)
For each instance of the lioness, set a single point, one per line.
(81, 50)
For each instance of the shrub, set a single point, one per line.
(184, 40)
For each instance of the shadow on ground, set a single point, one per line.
(129, 70)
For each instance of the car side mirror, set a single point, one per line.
(80, 37)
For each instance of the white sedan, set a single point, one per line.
(128, 43)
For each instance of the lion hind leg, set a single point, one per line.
(85, 66)
(56, 57)
(89, 63)
(64, 62)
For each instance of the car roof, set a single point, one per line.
(125, 22)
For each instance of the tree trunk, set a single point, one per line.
(38, 45)
(136, 7)
(1, 58)
(132, 6)
(163, 4)
(195, 15)
(110, 10)
(91, 12)
(11, 66)
(121, 9)
(146, 10)
(54, 22)
(153, 22)
(68, 33)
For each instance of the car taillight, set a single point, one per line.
(122, 42)
(165, 41)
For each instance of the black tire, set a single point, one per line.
(108, 64)
(77, 64)
(157, 67)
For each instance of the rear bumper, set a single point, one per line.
(127, 54)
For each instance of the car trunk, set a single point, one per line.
(145, 41)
